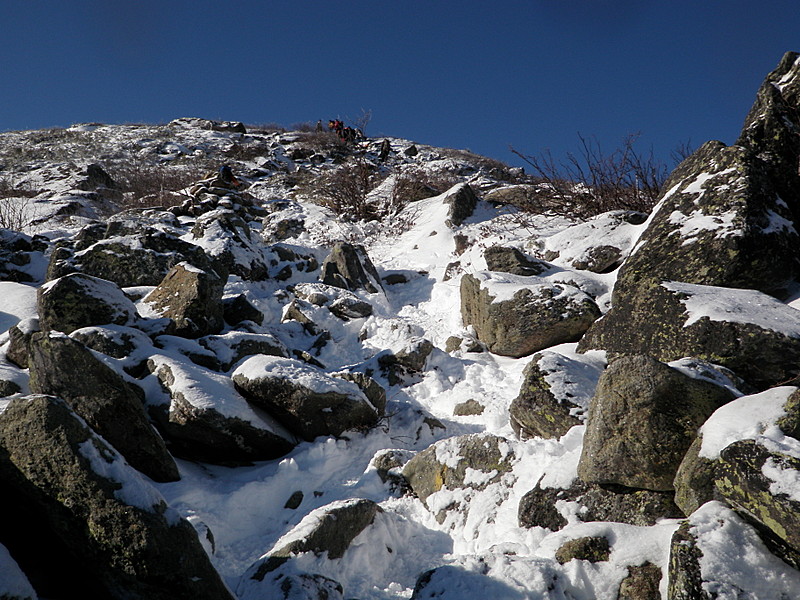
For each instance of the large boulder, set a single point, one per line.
(79, 300)
(727, 217)
(94, 512)
(207, 420)
(746, 418)
(642, 420)
(747, 331)
(61, 366)
(349, 267)
(308, 401)
(554, 395)
(192, 298)
(517, 316)
(462, 201)
(506, 259)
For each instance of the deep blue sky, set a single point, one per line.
(468, 74)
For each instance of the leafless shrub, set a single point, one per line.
(321, 141)
(344, 190)
(362, 120)
(593, 182)
(265, 128)
(152, 186)
(15, 213)
(247, 150)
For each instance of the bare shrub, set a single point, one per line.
(344, 190)
(592, 182)
(321, 141)
(15, 213)
(247, 150)
(265, 128)
(152, 186)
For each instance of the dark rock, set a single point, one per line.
(592, 549)
(536, 316)
(642, 508)
(61, 366)
(294, 501)
(306, 400)
(8, 388)
(374, 391)
(230, 243)
(642, 583)
(642, 420)
(404, 366)
(208, 421)
(510, 260)
(237, 309)
(694, 479)
(349, 267)
(462, 201)
(233, 346)
(685, 578)
(126, 542)
(468, 408)
(279, 579)
(79, 300)
(114, 340)
(192, 298)
(19, 337)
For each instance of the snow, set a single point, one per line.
(18, 303)
(13, 583)
(736, 306)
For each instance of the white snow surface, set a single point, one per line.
(479, 551)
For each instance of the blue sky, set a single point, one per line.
(477, 75)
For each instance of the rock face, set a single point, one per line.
(462, 201)
(62, 367)
(57, 470)
(642, 420)
(306, 400)
(349, 267)
(78, 300)
(192, 298)
(727, 218)
(535, 317)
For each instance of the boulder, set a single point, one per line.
(284, 220)
(462, 202)
(308, 401)
(642, 420)
(727, 218)
(130, 250)
(406, 365)
(80, 300)
(99, 515)
(233, 346)
(16, 250)
(192, 298)
(342, 303)
(238, 309)
(747, 331)
(554, 395)
(349, 267)
(517, 316)
(207, 420)
(746, 418)
(452, 463)
(761, 484)
(282, 581)
(61, 366)
(19, 336)
(712, 555)
(510, 260)
(547, 506)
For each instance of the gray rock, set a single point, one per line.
(279, 579)
(126, 542)
(468, 408)
(642, 583)
(208, 421)
(642, 420)
(694, 479)
(61, 366)
(238, 309)
(233, 346)
(192, 298)
(537, 316)
(510, 260)
(591, 549)
(405, 366)
(230, 243)
(79, 300)
(306, 400)
(349, 267)
(685, 578)
(19, 337)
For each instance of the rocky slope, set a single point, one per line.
(356, 370)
